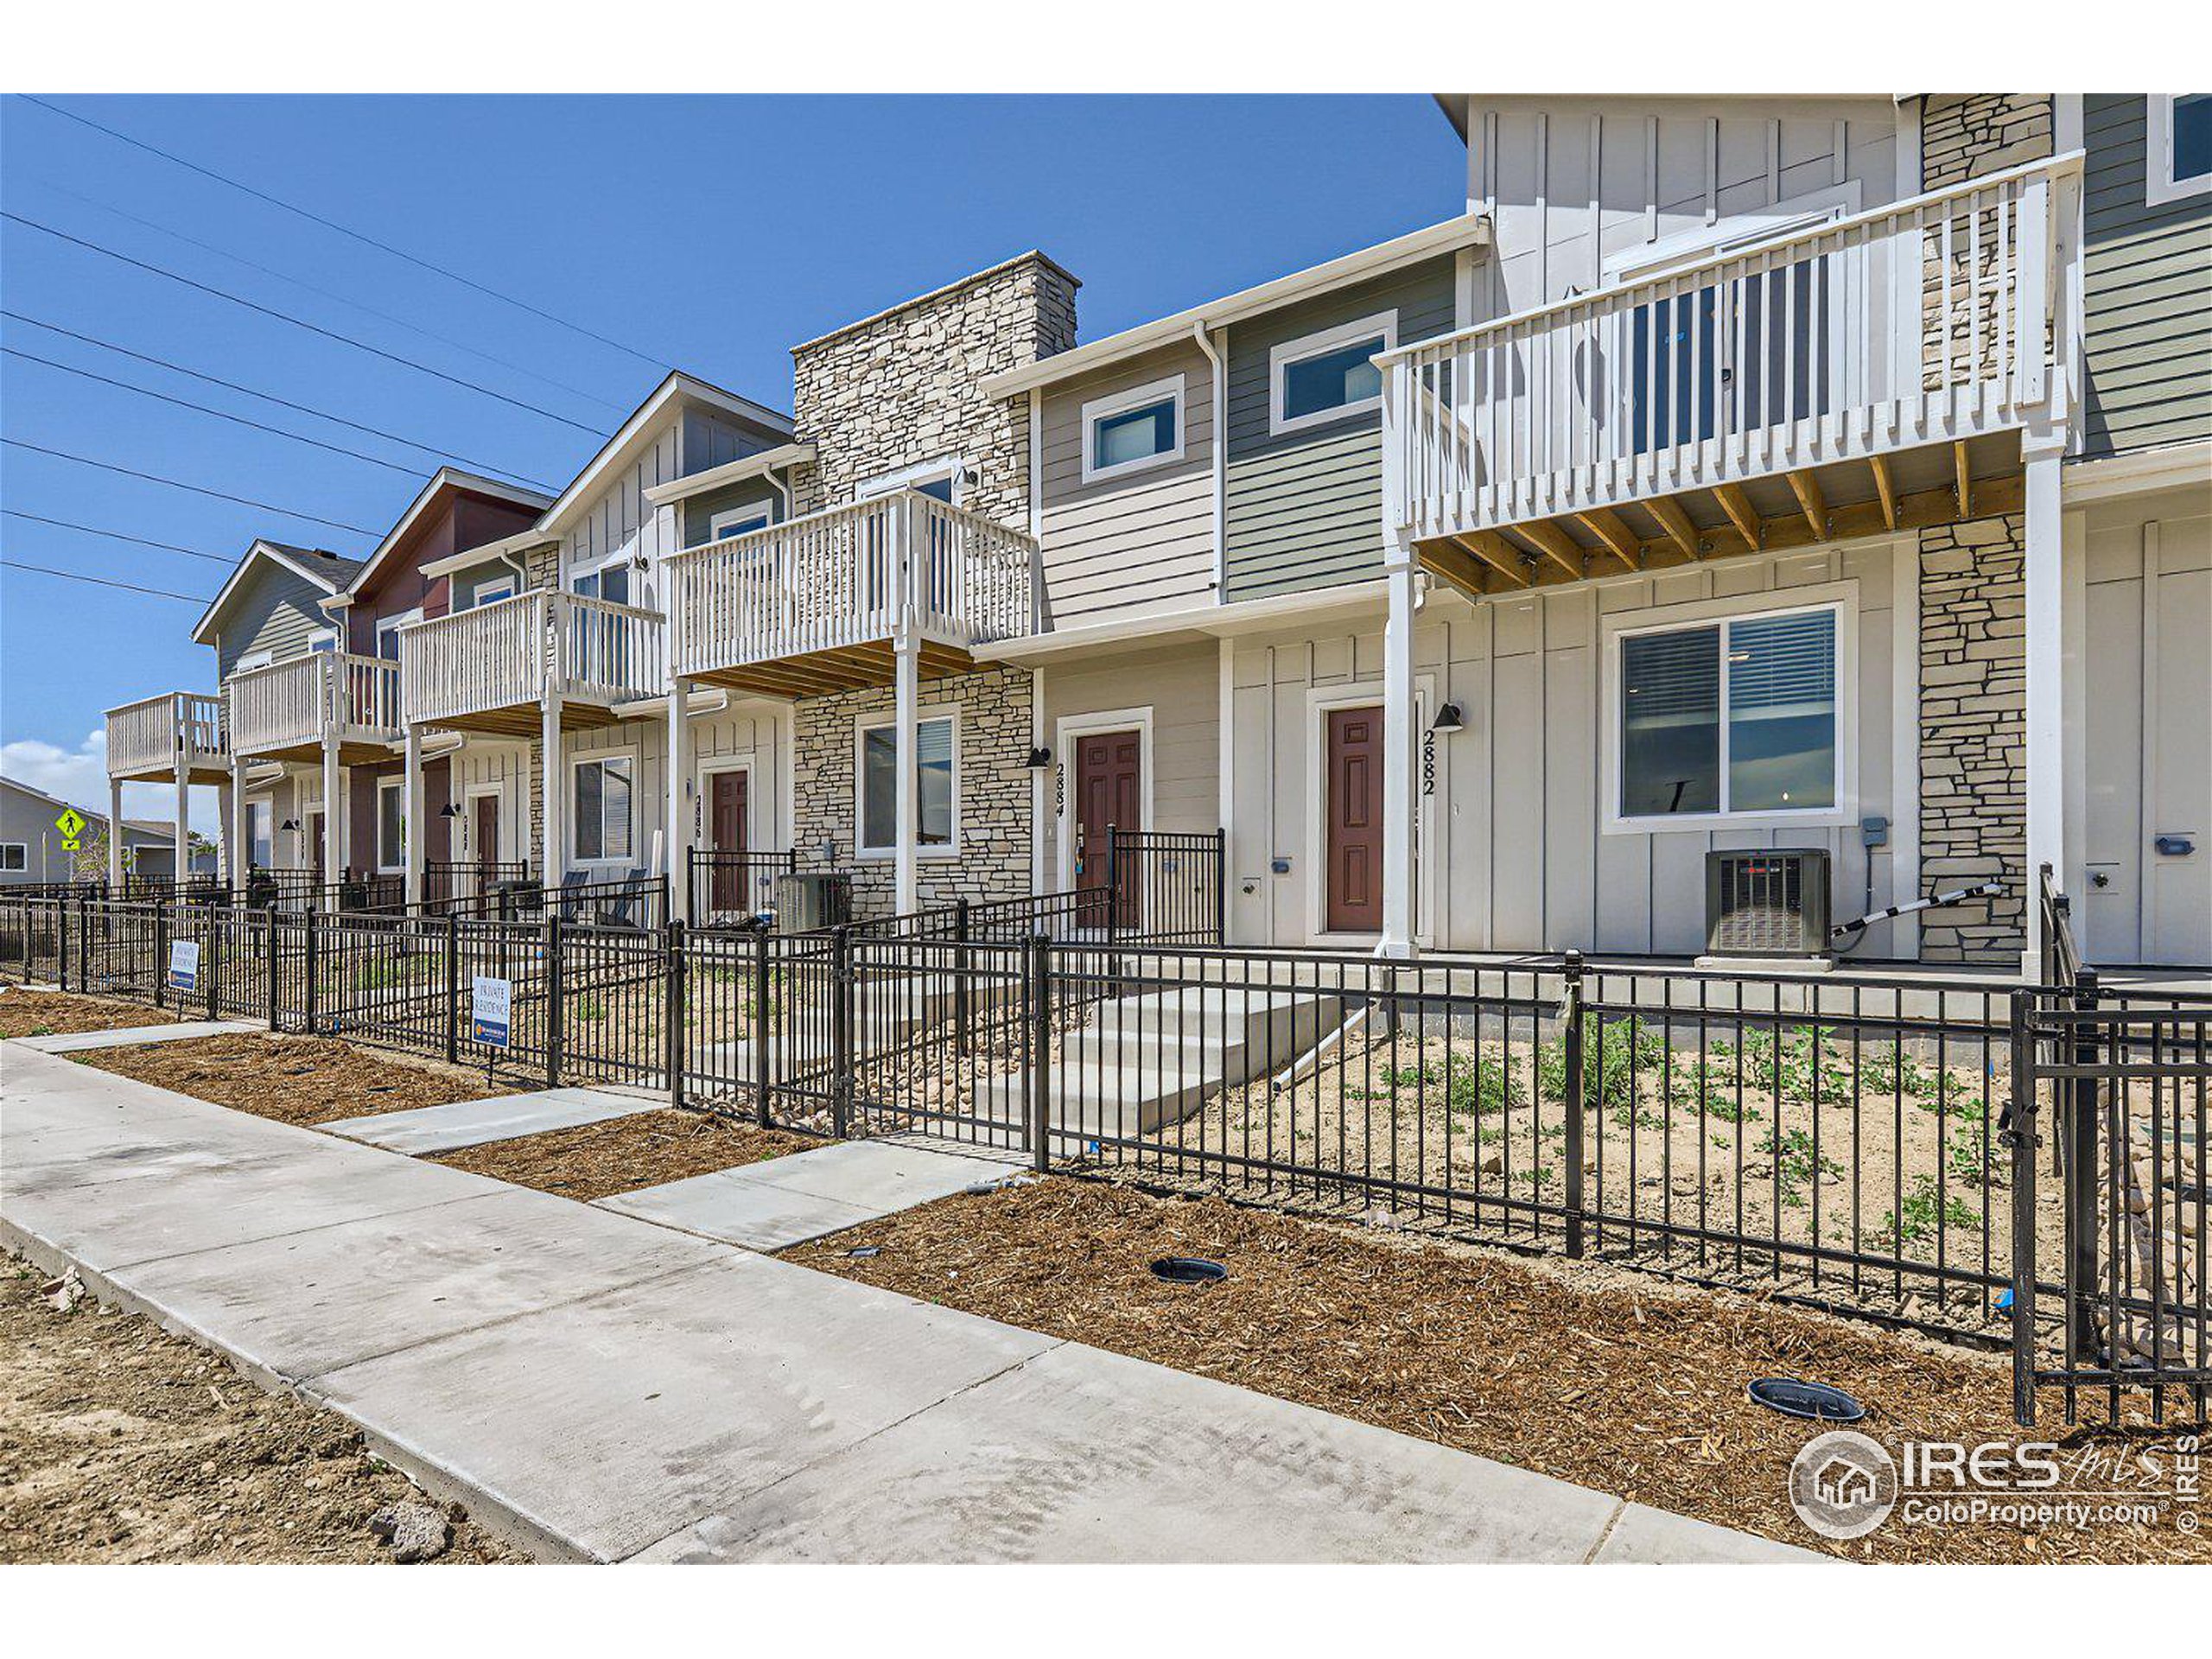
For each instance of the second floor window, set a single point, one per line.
(610, 583)
(1328, 376)
(2177, 147)
(737, 521)
(1129, 431)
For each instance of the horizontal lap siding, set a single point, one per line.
(280, 614)
(2147, 281)
(1142, 542)
(1305, 509)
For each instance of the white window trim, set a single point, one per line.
(862, 725)
(1842, 599)
(1170, 389)
(598, 757)
(914, 477)
(2159, 185)
(1290, 352)
(376, 828)
(249, 661)
(260, 803)
(765, 511)
(1066, 731)
(1643, 259)
(505, 583)
(21, 849)
(322, 640)
(392, 625)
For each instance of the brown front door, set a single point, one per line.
(1355, 820)
(726, 816)
(1109, 791)
(484, 838)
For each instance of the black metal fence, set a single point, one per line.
(726, 888)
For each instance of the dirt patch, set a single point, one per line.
(119, 1442)
(1592, 1374)
(55, 1013)
(596, 1160)
(302, 1080)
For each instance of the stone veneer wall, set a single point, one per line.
(992, 798)
(1973, 800)
(1971, 135)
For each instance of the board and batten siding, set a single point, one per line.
(2147, 293)
(1515, 855)
(748, 731)
(280, 614)
(1140, 543)
(620, 519)
(1304, 510)
(1180, 686)
(1572, 183)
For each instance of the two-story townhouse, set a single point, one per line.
(535, 702)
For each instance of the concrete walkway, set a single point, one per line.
(477, 1122)
(598, 1387)
(134, 1036)
(779, 1202)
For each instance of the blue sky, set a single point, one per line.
(706, 233)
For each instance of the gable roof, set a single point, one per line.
(636, 432)
(446, 481)
(325, 571)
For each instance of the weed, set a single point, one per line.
(1923, 1206)
(1798, 1165)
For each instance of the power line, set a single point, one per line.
(102, 582)
(461, 346)
(221, 414)
(483, 467)
(179, 484)
(116, 536)
(298, 322)
(345, 230)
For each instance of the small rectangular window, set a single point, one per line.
(15, 855)
(737, 521)
(1738, 717)
(602, 809)
(934, 750)
(2177, 146)
(1328, 375)
(489, 590)
(1133, 429)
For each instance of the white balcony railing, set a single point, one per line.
(1935, 319)
(515, 653)
(293, 704)
(851, 575)
(154, 733)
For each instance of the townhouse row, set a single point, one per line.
(1732, 473)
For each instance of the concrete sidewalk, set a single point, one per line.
(598, 1387)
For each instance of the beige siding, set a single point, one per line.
(1140, 543)
(1180, 685)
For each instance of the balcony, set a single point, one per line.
(493, 669)
(152, 739)
(1853, 376)
(814, 605)
(286, 711)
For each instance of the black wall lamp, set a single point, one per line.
(1447, 719)
(1040, 759)
(448, 810)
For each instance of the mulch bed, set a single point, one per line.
(301, 1080)
(1588, 1373)
(596, 1160)
(57, 1013)
(119, 1442)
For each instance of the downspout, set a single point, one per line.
(1204, 339)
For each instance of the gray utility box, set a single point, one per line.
(1767, 904)
(813, 901)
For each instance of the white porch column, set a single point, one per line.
(114, 837)
(333, 814)
(681, 818)
(1399, 869)
(411, 799)
(908, 695)
(183, 830)
(2045, 760)
(551, 835)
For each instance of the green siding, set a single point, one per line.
(700, 510)
(1305, 510)
(277, 613)
(2147, 281)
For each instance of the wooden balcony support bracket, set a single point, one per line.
(1669, 513)
(1480, 554)
(1965, 478)
(1807, 489)
(1564, 552)
(1737, 505)
(1885, 488)
(1606, 525)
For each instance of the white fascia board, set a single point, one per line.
(730, 472)
(486, 552)
(202, 632)
(617, 451)
(1469, 229)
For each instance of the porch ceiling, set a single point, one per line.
(848, 668)
(350, 754)
(202, 771)
(1840, 501)
(523, 720)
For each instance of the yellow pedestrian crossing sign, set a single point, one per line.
(71, 824)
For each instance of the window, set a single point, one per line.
(936, 752)
(323, 642)
(387, 629)
(1130, 430)
(391, 824)
(252, 659)
(941, 478)
(738, 521)
(489, 590)
(1735, 716)
(260, 844)
(1327, 377)
(601, 809)
(15, 855)
(610, 583)
(2177, 151)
